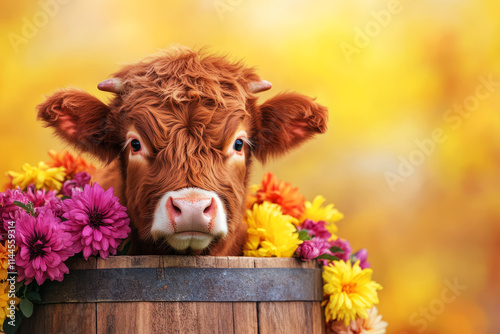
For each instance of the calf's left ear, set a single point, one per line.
(285, 122)
(83, 121)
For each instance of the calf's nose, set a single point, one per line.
(191, 214)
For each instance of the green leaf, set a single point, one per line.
(9, 329)
(26, 307)
(327, 257)
(304, 235)
(23, 291)
(21, 205)
(34, 296)
(29, 208)
(335, 249)
(19, 285)
(353, 258)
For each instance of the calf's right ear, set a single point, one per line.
(83, 121)
(285, 122)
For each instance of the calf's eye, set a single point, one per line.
(238, 145)
(136, 145)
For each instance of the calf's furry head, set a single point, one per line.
(184, 119)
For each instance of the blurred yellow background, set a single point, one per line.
(412, 155)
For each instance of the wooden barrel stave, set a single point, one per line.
(180, 317)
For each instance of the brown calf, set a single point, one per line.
(178, 139)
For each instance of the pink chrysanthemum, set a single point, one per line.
(340, 243)
(362, 257)
(43, 247)
(44, 200)
(96, 221)
(80, 180)
(316, 229)
(8, 208)
(55, 205)
(345, 246)
(39, 197)
(311, 249)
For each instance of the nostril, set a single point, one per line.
(173, 209)
(176, 208)
(207, 209)
(210, 209)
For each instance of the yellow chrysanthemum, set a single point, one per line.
(270, 232)
(42, 176)
(4, 262)
(4, 303)
(329, 214)
(350, 291)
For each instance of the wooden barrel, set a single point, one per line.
(182, 294)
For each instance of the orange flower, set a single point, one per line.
(4, 262)
(283, 193)
(73, 164)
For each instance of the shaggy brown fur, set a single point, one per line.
(187, 105)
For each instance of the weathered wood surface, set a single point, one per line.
(180, 317)
(288, 317)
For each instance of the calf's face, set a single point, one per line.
(186, 169)
(183, 128)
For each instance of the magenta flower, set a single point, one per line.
(96, 221)
(43, 247)
(340, 243)
(311, 249)
(55, 205)
(308, 250)
(8, 208)
(345, 246)
(7, 199)
(317, 229)
(320, 243)
(44, 200)
(39, 197)
(67, 188)
(362, 257)
(79, 181)
(82, 179)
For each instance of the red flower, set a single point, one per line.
(73, 164)
(283, 193)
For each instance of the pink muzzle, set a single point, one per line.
(191, 214)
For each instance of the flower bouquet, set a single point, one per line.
(281, 223)
(48, 214)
